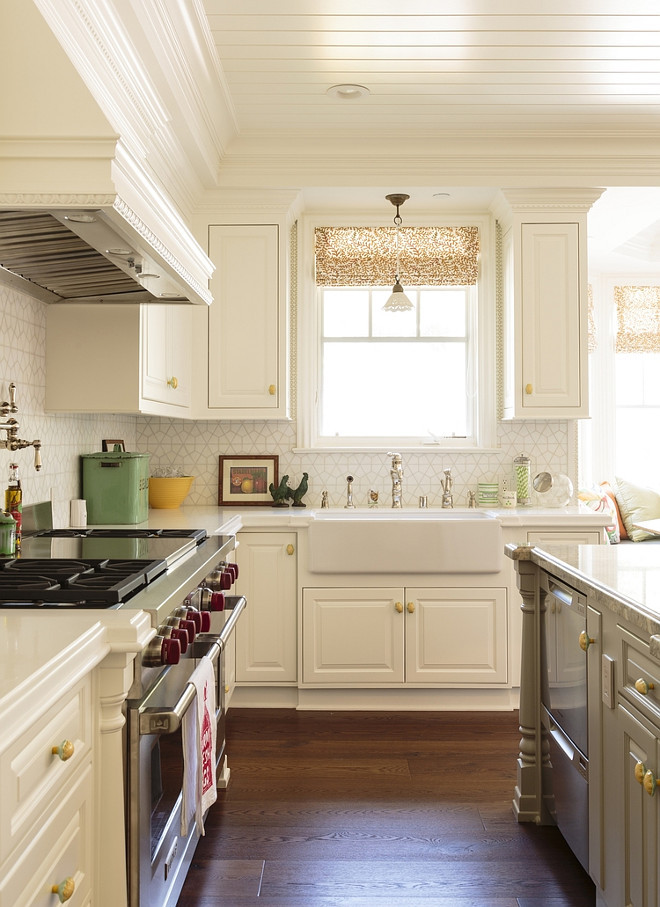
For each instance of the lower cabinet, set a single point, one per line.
(424, 636)
(638, 745)
(266, 634)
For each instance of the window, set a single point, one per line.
(372, 379)
(624, 385)
(396, 375)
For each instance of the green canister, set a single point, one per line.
(7, 535)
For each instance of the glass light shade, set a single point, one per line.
(398, 301)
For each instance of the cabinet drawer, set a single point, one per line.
(640, 675)
(31, 775)
(62, 849)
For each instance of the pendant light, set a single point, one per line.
(398, 301)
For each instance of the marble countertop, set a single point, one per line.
(623, 578)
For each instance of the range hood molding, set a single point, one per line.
(142, 267)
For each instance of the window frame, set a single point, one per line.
(309, 352)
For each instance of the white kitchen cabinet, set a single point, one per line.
(413, 635)
(546, 537)
(244, 334)
(544, 275)
(266, 635)
(119, 358)
(47, 796)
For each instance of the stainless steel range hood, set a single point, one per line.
(85, 255)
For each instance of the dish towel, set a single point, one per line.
(198, 733)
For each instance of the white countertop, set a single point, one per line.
(44, 652)
(229, 520)
(624, 578)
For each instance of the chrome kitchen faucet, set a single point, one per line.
(397, 474)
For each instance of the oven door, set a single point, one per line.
(158, 855)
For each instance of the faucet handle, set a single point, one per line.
(10, 407)
(37, 454)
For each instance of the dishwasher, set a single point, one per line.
(564, 712)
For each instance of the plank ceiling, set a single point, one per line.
(433, 65)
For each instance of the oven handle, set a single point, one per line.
(167, 721)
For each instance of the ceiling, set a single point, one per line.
(588, 68)
(588, 65)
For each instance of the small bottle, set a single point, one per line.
(14, 502)
(522, 477)
(7, 535)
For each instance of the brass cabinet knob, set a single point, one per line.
(65, 750)
(650, 783)
(173, 383)
(399, 607)
(226, 688)
(411, 607)
(646, 778)
(272, 389)
(290, 549)
(585, 640)
(643, 687)
(64, 890)
(529, 389)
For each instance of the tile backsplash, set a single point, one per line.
(194, 447)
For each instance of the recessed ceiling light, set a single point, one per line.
(347, 92)
(120, 253)
(441, 195)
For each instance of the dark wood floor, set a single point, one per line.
(364, 809)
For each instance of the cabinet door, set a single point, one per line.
(166, 354)
(245, 331)
(353, 636)
(565, 537)
(551, 323)
(266, 635)
(456, 636)
(641, 811)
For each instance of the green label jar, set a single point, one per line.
(7, 535)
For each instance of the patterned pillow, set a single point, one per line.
(596, 499)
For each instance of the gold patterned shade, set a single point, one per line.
(638, 319)
(591, 321)
(366, 256)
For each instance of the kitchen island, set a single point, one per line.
(621, 645)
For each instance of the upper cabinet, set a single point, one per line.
(243, 339)
(119, 358)
(544, 277)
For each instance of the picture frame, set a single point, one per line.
(243, 481)
(108, 444)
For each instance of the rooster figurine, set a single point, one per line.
(297, 494)
(281, 493)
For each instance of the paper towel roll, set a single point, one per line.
(78, 514)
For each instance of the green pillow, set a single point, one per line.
(637, 504)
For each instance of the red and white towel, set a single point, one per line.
(198, 732)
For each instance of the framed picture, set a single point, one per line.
(245, 480)
(109, 444)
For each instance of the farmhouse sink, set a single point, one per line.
(404, 541)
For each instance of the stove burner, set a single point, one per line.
(105, 582)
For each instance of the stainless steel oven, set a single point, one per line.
(564, 713)
(159, 855)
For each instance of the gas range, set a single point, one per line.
(151, 570)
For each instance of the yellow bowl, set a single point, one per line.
(168, 494)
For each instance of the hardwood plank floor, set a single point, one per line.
(372, 809)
